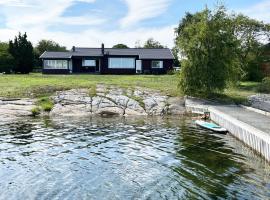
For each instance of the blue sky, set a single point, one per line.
(88, 23)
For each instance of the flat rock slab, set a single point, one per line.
(111, 100)
(16, 108)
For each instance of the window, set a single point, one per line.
(55, 64)
(88, 63)
(157, 64)
(122, 63)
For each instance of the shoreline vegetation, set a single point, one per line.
(36, 85)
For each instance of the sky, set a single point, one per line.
(88, 23)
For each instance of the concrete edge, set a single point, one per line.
(243, 125)
(256, 110)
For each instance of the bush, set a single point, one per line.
(254, 72)
(35, 111)
(46, 104)
(265, 85)
(208, 43)
(6, 60)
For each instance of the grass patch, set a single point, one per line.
(45, 103)
(93, 91)
(35, 111)
(235, 94)
(38, 85)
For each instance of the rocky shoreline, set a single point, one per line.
(104, 100)
(108, 101)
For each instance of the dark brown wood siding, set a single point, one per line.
(147, 67)
(55, 71)
(78, 68)
(104, 69)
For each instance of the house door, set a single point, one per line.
(138, 66)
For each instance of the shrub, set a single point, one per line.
(46, 104)
(265, 85)
(93, 91)
(254, 72)
(35, 111)
(6, 60)
(172, 72)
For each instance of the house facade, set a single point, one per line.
(108, 61)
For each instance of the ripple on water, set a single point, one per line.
(103, 158)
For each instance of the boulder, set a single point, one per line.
(176, 106)
(260, 101)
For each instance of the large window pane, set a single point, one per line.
(55, 64)
(122, 63)
(89, 63)
(157, 64)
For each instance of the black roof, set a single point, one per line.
(96, 52)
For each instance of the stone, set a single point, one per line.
(108, 101)
(176, 106)
(71, 110)
(134, 108)
(155, 105)
(109, 111)
(17, 108)
(260, 101)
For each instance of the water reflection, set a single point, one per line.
(125, 158)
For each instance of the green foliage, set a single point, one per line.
(207, 41)
(35, 111)
(48, 45)
(6, 59)
(93, 91)
(22, 51)
(176, 61)
(219, 48)
(45, 103)
(254, 71)
(151, 43)
(120, 46)
(250, 33)
(265, 85)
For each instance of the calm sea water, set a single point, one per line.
(132, 158)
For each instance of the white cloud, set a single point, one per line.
(94, 37)
(139, 10)
(41, 13)
(259, 11)
(36, 16)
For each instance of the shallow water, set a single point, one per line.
(133, 158)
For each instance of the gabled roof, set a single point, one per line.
(96, 52)
(53, 54)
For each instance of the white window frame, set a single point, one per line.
(55, 64)
(93, 64)
(160, 64)
(121, 63)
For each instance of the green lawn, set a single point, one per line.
(239, 93)
(35, 85)
(38, 85)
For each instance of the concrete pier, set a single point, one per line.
(248, 126)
